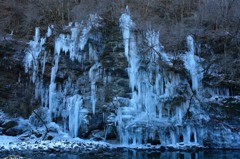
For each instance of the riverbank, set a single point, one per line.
(79, 146)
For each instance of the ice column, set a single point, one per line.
(33, 53)
(49, 31)
(126, 24)
(35, 65)
(191, 64)
(130, 51)
(74, 107)
(94, 74)
(52, 86)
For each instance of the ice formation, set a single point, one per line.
(32, 54)
(150, 115)
(191, 64)
(65, 105)
(126, 24)
(161, 99)
(94, 73)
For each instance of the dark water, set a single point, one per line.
(133, 154)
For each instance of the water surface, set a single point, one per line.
(136, 154)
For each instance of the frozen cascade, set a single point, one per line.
(77, 114)
(63, 101)
(75, 104)
(34, 61)
(73, 45)
(149, 110)
(52, 86)
(191, 64)
(94, 74)
(31, 60)
(126, 24)
(157, 111)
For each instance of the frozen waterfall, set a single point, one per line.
(159, 102)
(65, 105)
(191, 63)
(149, 116)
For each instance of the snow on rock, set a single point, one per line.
(77, 146)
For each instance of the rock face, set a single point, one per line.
(16, 92)
(104, 81)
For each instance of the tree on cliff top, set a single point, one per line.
(174, 18)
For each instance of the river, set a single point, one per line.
(136, 154)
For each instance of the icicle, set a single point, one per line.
(179, 115)
(195, 136)
(44, 62)
(75, 43)
(191, 64)
(187, 135)
(133, 64)
(173, 137)
(73, 48)
(37, 35)
(119, 116)
(158, 84)
(32, 54)
(49, 30)
(93, 22)
(92, 53)
(126, 24)
(74, 106)
(94, 74)
(52, 86)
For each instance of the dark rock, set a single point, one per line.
(111, 133)
(14, 131)
(1, 131)
(154, 142)
(16, 90)
(162, 148)
(9, 124)
(37, 134)
(49, 137)
(97, 135)
(24, 137)
(95, 123)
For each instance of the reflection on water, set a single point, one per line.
(217, 154)
(135, 154)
